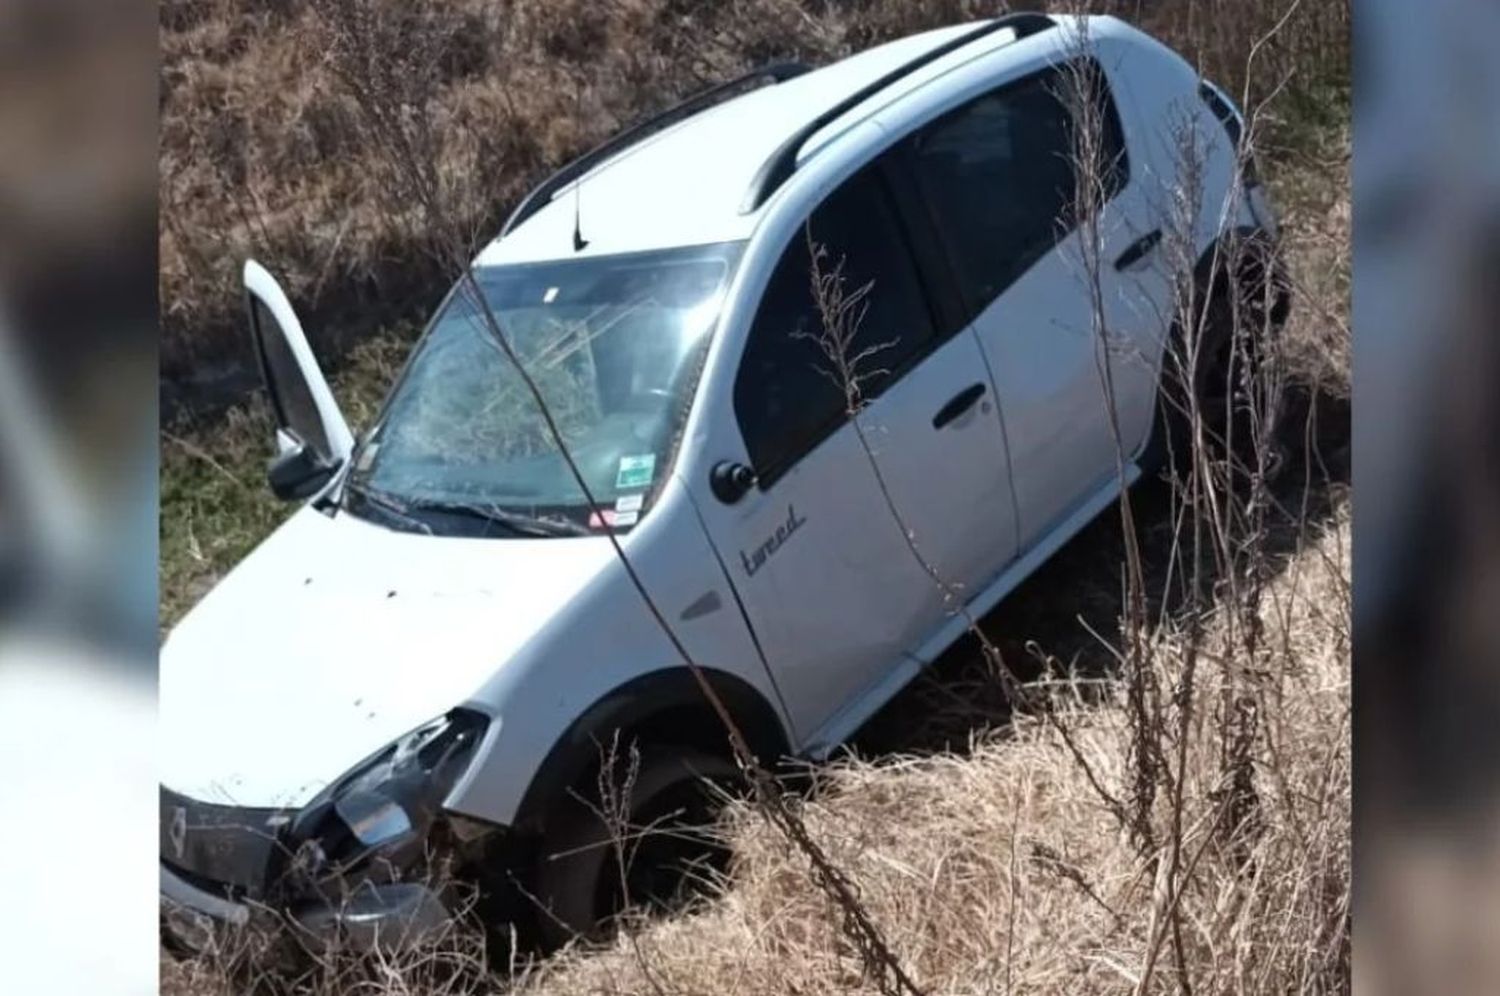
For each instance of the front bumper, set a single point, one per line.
(390, 917)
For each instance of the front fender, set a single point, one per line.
(602, 642)
(668, 704)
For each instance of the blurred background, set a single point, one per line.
(1427, 505)
(78, 494)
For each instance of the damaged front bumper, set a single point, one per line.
(391, 916)
(369, 861)
(193, 918)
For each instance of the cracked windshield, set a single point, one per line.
(614, 344)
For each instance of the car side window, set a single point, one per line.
(999, 179)
(788, 394)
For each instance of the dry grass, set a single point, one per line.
(261, 152)
(1000, 871)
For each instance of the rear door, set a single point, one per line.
(997, 175)
(936, 431)
(820, 549)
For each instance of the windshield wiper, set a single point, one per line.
(517, 522)
(388, 504)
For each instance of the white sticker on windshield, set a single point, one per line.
(550, 295)
(626, 518)
(635, 471)
(630, 503)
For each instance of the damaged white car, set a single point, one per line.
(417, 673)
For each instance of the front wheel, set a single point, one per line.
(646, 838)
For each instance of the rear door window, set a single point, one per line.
(998, 176)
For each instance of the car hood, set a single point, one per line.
(335, 637)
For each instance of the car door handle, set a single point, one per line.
(1137, 250)
(961, 402)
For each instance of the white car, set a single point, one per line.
(431, 654)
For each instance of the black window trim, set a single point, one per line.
(973, 308)
(1231, 120)
(254, 305)
(929, 251)
(924, 266)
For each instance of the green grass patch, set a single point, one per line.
(215, 504)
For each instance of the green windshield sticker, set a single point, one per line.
(636, 471)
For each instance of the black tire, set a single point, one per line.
(1171, 431)
(671, 809)
(1264, 298)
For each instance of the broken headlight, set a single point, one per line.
(374, 821)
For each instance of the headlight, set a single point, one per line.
(386, 804)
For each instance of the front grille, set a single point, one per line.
(226, 850)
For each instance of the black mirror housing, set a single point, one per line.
(730, 481)
(298, 473)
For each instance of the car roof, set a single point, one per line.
(685, 185)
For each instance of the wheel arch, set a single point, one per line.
(1212, 277)
(1262, 254)
(665, 706)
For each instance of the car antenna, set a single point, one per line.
(579, 242)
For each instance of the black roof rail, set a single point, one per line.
(783, 162)
(542, 194)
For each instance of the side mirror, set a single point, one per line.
(298, 473)
(729, 481)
